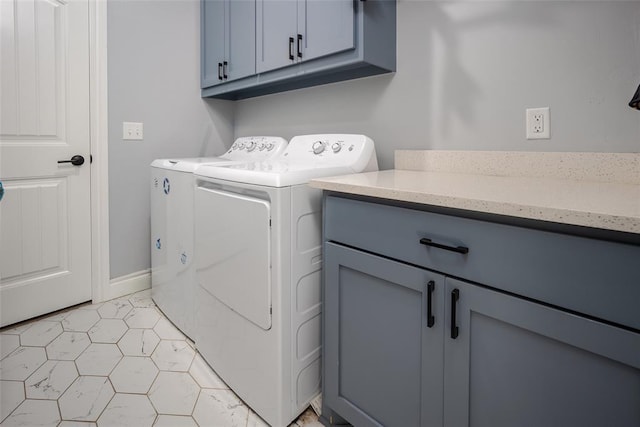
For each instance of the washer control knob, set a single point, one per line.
(241, 146)
(261, 146)
(336, 147)
(251, 145)
(269, 146)
(318, 147)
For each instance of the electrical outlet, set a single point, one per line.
(538, 125)
(132, 131)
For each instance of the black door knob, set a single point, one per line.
(76, 160)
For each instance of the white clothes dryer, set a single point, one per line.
(258, 269)
(172, 225)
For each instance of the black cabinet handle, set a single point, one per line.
(76, 160)
(299, 45)
(458, 249)
(224, 69)
(291, 48)
(431, 320)
(455, 296)
(219, 70)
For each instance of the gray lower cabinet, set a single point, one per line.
(407, 346)
(519, 363)
(383, 358)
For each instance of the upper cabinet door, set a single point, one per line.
(276, 34)
(326, 27)
(241, 39)
(213, 41)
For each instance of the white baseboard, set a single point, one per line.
(128, 284)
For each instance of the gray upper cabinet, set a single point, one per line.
(289, 32)
(228, 40)
(297, 43)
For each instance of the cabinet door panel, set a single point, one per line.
(516, 362)
(275, 23)
(327, 27)
(241, 55)
(383, 365)
(213, 40)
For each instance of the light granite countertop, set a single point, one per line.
(582, 202)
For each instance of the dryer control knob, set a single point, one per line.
(318, 147)
(261, 146)
(336, 147)
(251, 146)
(270, 146)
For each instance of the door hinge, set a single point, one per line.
(90, 158)
(269, 222)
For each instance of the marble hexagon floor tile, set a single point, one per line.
(68, 346)
(34, 413)
(86, 399)
(204, 375)
(134, 375)
(128, 410)
(80, 320)
(139, 342)
(115, 309)
(70, 375)
(11, 396)
(8, 343)
(220, 408)
(21, 363)
(142, 317)
(98, 359)
(167, 331)
(174, 393)
(175, 421)
(51, 379)
(108, 331)
(173, 356)
(40, 334)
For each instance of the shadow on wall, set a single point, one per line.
(454, 93)
(217, 134)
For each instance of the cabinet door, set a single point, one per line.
(383, 359)
(276, 23)
(519, 363)
(241, 37)
(212, 47)
(326, 27)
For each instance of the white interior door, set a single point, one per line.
(45, 242)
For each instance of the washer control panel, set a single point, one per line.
(327, 148)
(255, 148)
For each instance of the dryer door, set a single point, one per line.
(233, 252)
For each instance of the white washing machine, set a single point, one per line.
(172, 225)
(258, 268)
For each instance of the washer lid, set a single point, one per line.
(244, 149)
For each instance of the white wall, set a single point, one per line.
(154, 78)
(466, 71)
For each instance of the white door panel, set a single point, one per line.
(233, 252)
(45, 213)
